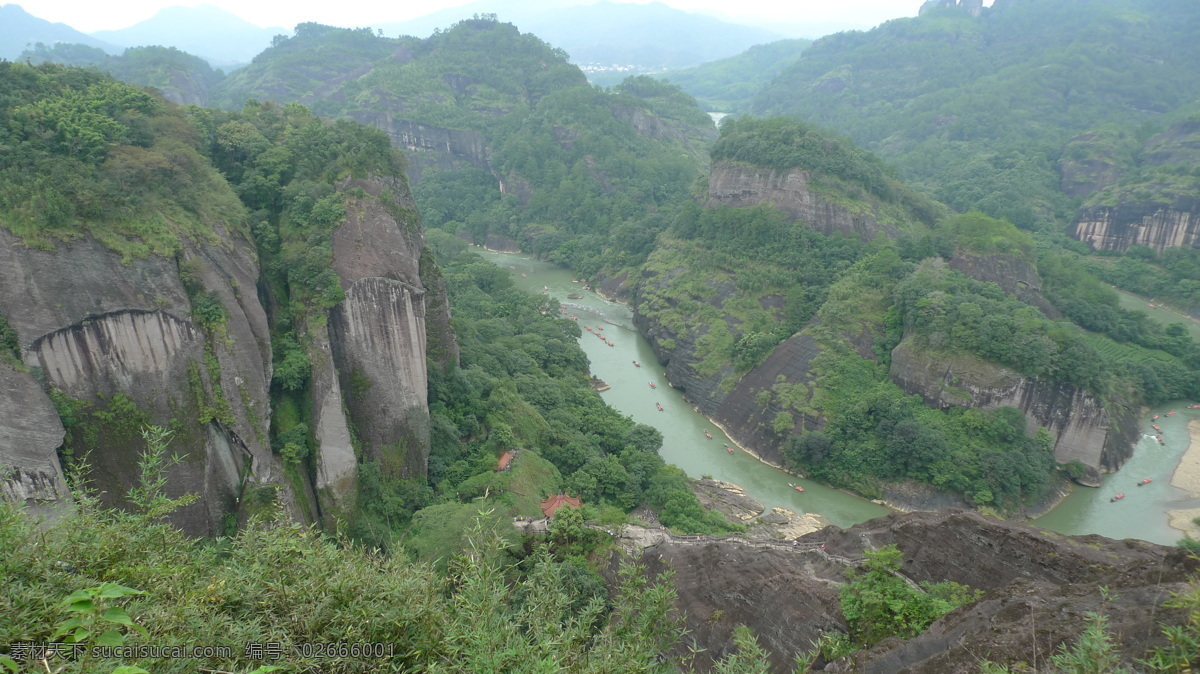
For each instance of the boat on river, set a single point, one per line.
(636, 364)
(708, 435)
(652, 384)
(796, 487)
(1118, 497)
(659, 406)
(1144, 482)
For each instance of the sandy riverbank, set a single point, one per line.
(1187, 478)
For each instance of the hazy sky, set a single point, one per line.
(90, 15)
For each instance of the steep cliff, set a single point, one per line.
(377, 336)
(1158, 224)
(30, 434)
(792, 192)
(1015, 276)
(1156, 200)
(1099, 434)
(431, 147)
(121, 341)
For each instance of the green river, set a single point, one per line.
(1141, 514)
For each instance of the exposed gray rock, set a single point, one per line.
(738, 184)
(1157, 225)
(1083, 429)
(1015, 276)
(97, 326)
(30, 434)
(377, 334)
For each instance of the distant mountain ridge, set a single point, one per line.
(650, 36)
(221, 38)
(20, 29)
(730, 84)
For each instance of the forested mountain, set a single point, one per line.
(222, 38)
(20, 30)
(181, 77)
(978, 110)
(203, 204)
(504, 133)
(963, 311)
(647, 37)
(730, 84)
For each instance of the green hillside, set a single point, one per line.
(730, 84)
(977, 110)
(583, 175)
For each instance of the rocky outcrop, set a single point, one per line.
(652, 126)
(1084, 428)
(429, 146)
(30, 433)
(972, 7)
(738, 184)
(377, 333)
(1015, 276)
(750, 422)
(1158, 225)
(1037, 587)
(1151, 207)
(103, 330)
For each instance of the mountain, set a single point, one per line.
(20, 30)
(131, 280)
(180, 77)
(605, 34)
(730, 84)
(978, 109)
(213, 33)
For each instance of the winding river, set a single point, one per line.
(1141, 514)
(683, 429)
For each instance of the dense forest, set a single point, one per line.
(977, 110)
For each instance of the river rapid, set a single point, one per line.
(1141, 514)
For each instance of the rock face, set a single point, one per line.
(30, 432)
(377, 344)
(1015, 276)
(1038, 586)
(1155, 208)
(94, 328)
(1157, 225)
(1084, 429)
(739, 184)
(432, 146)
(788, 595)
(749, 422)
(653, 126)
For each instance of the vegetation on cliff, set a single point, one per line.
(584, 174)
(977, 109)
(83, 153)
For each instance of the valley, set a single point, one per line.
(422, 338)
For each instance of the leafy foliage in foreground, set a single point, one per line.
(283, 584)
